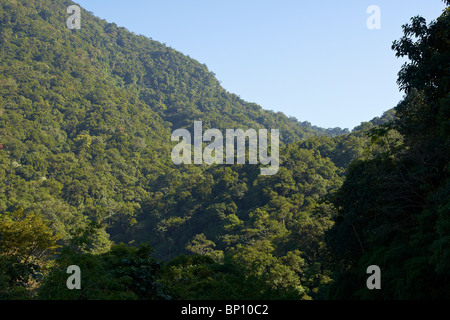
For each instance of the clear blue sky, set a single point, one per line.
(313, 60)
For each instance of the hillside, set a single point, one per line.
(85, 126)
(87, 114)
(86, 176)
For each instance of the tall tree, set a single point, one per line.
(26, 242)
(394, 208)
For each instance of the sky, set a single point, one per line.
(317, 61)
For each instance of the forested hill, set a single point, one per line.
(87, 179)
(86, 115)
(85, 123)
(102, 58)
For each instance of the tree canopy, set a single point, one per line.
(86, 176)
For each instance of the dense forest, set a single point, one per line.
(86, 176)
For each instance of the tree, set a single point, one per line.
(26, 243)
(393, 207)
(122, 273)
(28, 237)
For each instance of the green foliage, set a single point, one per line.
(86, 117)
(123, 273)
(199, 277)
(85, 123)
(18, 278)
(393, 206)
(26, 243)
(27, 237)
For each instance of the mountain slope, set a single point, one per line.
(98, 104)
(85, 123)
